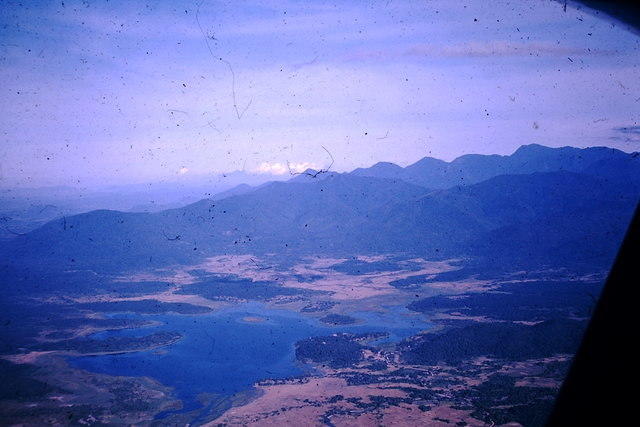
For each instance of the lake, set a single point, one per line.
(229, 350)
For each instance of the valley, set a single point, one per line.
(346, 299)
(231, 340)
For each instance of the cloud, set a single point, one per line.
(494, 48)
(632, 130)
(183, 170)
(272, 168)
(278, 168)
(629, 135)
(491, 48)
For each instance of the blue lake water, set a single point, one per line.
(224, 354)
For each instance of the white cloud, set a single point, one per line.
(278, 168)
(272, 168)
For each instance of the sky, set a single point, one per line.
(117, 92)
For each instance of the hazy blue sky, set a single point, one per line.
(127, 91)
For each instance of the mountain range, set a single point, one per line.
(540, 206)
(473, 168)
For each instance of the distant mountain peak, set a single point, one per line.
(311, 175)
(532, 148)
(386, 165)
(381, 170)
(426, 161)
(379, 166)
(310, 171)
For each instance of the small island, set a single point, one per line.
(337, 319)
